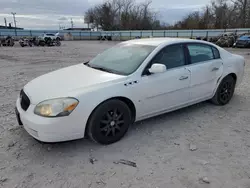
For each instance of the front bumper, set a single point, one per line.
(48, 129)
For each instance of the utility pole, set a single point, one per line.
(14, 18)
(72, 23)
(5, 21)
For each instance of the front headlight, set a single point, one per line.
(56, 107)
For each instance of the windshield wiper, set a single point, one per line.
(86, 63)
(99, 68)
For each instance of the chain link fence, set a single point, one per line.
(120, 35)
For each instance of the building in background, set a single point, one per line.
(79, 29)
(10, 27)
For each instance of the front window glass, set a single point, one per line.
(171, 56)
(123, 58)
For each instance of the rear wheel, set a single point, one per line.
(225, 91)
(109, 122)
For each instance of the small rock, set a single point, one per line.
(2, 179)
(50, 181)
(204, 162)
(2, 168)
(237, 131)
(49, 148)
(18, 155)
(192, 147)
(248, 130)
(181, 168)
(101, 182)
(11, 144)
(204, 180)
(225, 144)
(90, 184)
(177, 144)
(14, 128)
(92, 160)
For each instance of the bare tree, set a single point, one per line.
(123, 14)
(129, 15)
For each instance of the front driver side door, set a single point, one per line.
(163, 91)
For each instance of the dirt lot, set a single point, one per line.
(219, 136)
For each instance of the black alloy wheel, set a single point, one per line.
(109, 122)
(225, 91)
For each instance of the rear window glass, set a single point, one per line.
(200, 53)
(216, 53)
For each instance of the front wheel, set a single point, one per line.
(58, 43)
(109, 122)
(225, 91)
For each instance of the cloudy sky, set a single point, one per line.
(48, 14)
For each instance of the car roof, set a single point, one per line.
(162, 41)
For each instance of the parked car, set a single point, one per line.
(131, 81)
(25, 42)
(49, 36)
(105, 36)
(226, 39)
(49, 40)
(7, 41)
(243, 42)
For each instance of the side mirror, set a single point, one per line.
(157, 68)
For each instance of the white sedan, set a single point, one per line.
(131, 81)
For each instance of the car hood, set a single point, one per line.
(62, 82)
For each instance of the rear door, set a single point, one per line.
(206, 68)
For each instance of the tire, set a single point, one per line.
(58, 43)
(225, 91)
(41, 43)
(109, 122)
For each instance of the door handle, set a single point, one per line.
(183, 78)
(215, 69)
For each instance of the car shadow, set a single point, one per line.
(140, 125)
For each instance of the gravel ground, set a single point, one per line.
(202, 146)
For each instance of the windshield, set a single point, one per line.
(122, 58)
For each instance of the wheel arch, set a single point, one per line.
(233, 75)
(126, 100)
